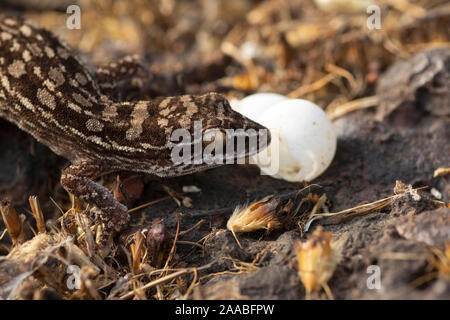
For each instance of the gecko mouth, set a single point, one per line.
(228, 148)
(237, 145)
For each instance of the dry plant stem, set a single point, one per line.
(192, 285)
(424, 279)
(343, 73)
(403, 256)
(172, 250)
(159, 293)
(75, 203)
(229, 210)
(246, 266)
(441, 260)
(299, 193)
(79, 257)
(82, 221)
(327, 290)
(190, 243)
(173, 195)
(413, 48)
(14, 224)
(3, 233)
(57, 206)
(165, 279)
(370, 206)
(240, 266)
(312, 87)
(367, 205)
(37, 213)
(197, 225)
(395, 48)
(236, 238)
(319, 204)
(354, 105)
(441, 172)
(148, 204)
(362, 212)
(136, 252)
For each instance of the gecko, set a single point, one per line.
(47, 91)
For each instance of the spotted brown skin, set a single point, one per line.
(48, 92)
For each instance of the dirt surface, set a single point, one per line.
(406, 138)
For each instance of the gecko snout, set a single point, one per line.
(251, 138)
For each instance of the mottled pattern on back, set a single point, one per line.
(48, 92)
(125, 79)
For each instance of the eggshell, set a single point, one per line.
(305, 137)
(253, 106)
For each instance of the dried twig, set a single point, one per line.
(37, 213)
(13, 223)
(165, 279)
(351, 106)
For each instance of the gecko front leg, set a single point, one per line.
(78, 179)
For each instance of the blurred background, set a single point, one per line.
(320, 50)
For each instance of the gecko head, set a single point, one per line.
(213, 134)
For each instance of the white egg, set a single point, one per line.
(303, 140)
(253, 106)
